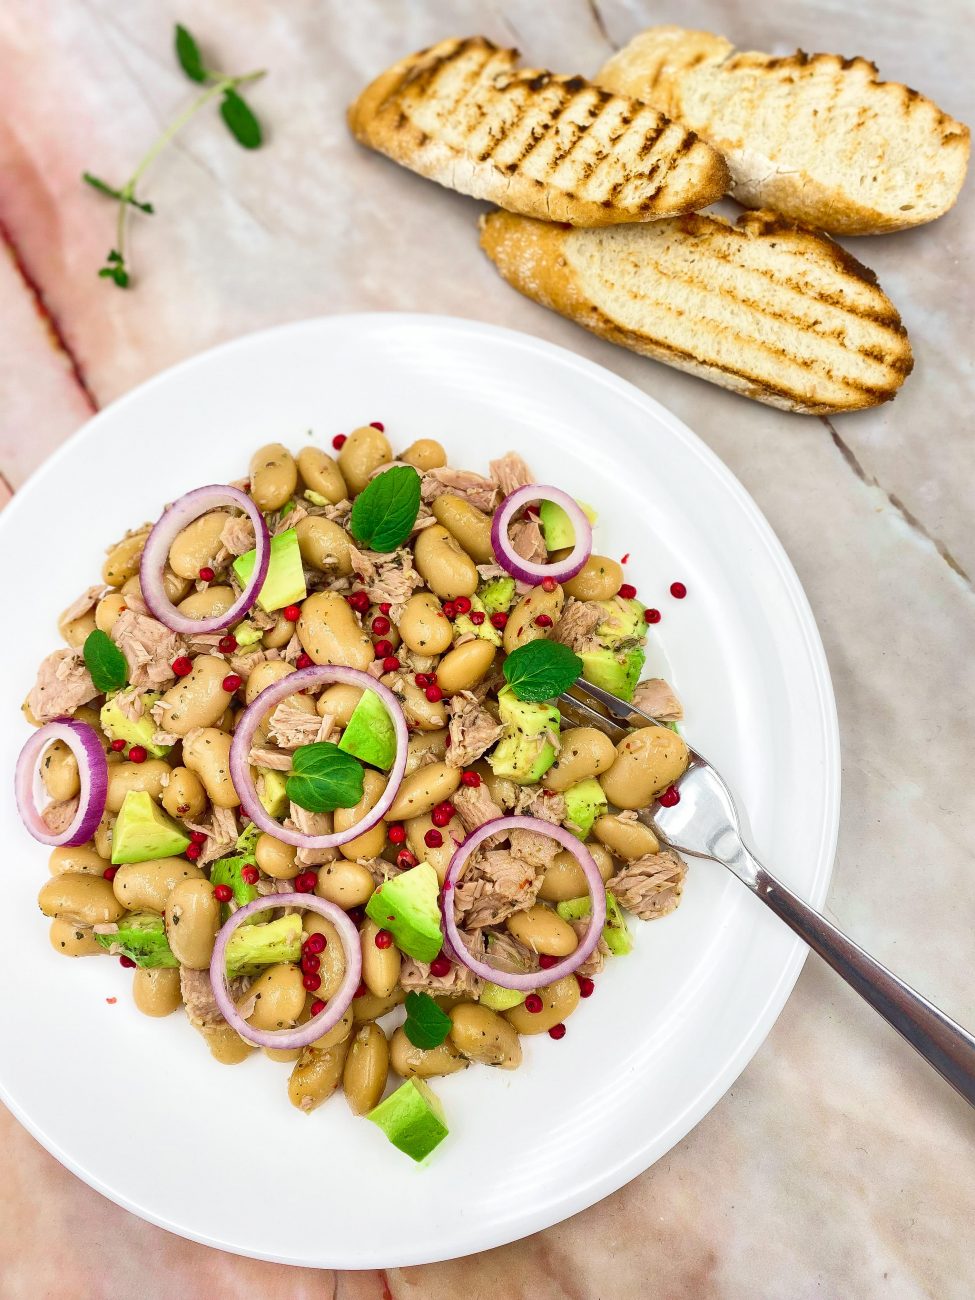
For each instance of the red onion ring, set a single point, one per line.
(597, 893)
(336, 1007)
(83, 742)
(528, 570)
(155, 555)
(250, 720)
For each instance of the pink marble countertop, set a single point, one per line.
(838, 1165)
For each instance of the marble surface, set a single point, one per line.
(838, 1165)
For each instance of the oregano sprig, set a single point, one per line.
(235, 112)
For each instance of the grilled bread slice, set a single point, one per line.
(550, 146)
(816, 137)
(767, 308)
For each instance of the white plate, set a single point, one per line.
(136, 1107)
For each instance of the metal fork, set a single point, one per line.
(705, 823)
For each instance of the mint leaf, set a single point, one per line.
(241, 122)
(188, 54)
(386, 509)
(426, 1025)
(541, 670)
(324, 777)
(105, 661)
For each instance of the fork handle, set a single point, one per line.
(943, 1043)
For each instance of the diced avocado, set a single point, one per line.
(525, 751)
(139, 731)
(408, 906)
(227, 871)
(247, 840)
(142, 937)
(615, 932)
(624, 619)
(464, 625)
(370, 734)
(496, 998)
(247, 634)
(316, 498)
(252, 946)
(617, 671)
(496, 596)
(285, 581)
(557, 526)
(143, 832)
(272, 790)
(412, 1118)
(584, 802)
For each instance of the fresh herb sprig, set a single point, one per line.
(426, 1025)
(235, 112)
(106, 664)
(540, 670)
(385, 510)
(324, 777)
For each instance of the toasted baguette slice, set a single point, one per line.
(816, 137)
(766, 308)
(461, 114)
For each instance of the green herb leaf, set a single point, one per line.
(188, 54)
(241, 122)
(541, 670)
(426, 1025)
(386, 509)
(324, 777)
(105, 661)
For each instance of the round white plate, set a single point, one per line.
(137, 1107)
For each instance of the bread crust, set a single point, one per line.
(461, 113)
(683, 291)
(819, 138)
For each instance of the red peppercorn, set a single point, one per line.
(557, 1031)
(292, 613)
(110, 873)
(304, 661)
(361, 991)
(462, 604)
(312, 982)
(651, 615)
(380, 625)
(440, 966)
(433, 839)
(206, 574)
(311, 963)
(471, 779)
(543, 620)
(338, 442)
(586, 986)
(377, 424)
(533, 1003)
(405, 859)
(118, 745)
(549, 584)
(547, 961)
(127, 962)
(442, 814)
(678, 590)
(396, 833)
(317, 1007)
(231, 683)
(477, 617)
(627, 591)
(138, 754)
(305, 882)
(227, 644)
(198, 837)
(625, 558)
(434, 693)
(250, 875)
(670, 797)
(383, 649)
(223, 893)
(315, 943)
(359, 601)
(390, 664)
(383, 939)
(422, 680)
(356, 915)
(385, 607)
(499, 620)
(449, 609)
(182, 666)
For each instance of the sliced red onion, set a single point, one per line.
(83, 742)
(597, 893)
(528, 570)
(337, 1005)
(250, 720)
(155, 556)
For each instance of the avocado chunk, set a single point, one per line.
(497, 595)
(499, 999)
(615, 932)
(370, 734)
(624, 619)
(408, 906)
(556, 525)
(143, 832)
(617, 671)
(525, 751)
(252, 946)
(412, 1118)
(584, 802)
(247, 634)
(272, 790)
(139, 731)
(464, 625)
(140, 936)
(285, 581)
(227, 871)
